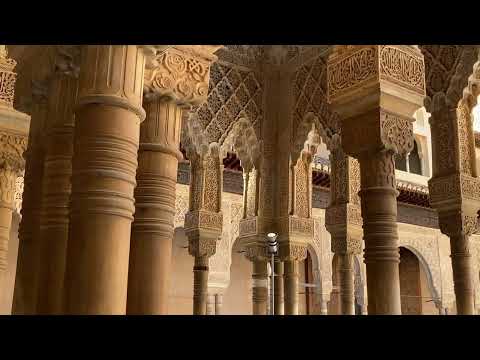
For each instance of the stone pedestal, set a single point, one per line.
(107, 126)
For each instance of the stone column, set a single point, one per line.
(25, 280)
(291, 287)
(376, 89)
(259, 287)
(218, 303)
(323, 307)
(455, 187)
(159, 153)
(107, 127)
(211, 304)
(13, 142)
(343, 220)
(462, 274)
(55, 201)
(279, 293)
(204, 221)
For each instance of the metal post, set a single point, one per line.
(272, 286)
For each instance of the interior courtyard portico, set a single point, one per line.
(144, 179)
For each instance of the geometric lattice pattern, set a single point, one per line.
(309, 93)
(233, 93)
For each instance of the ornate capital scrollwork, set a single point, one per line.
(290, 251)
(180, 72)
(455, 223)
(12, 147)
(396, 132)
(7, 78)
(347, 244)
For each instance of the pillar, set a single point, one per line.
(107, 126)
(153, 227)
(57, 171)
(323, 307)
(376, 89)
(218, 303)
(260, 287)
(346, 280)
(211, 304)
(200, 285)
(379, 212)
(291, 287)
(279, 293)
(462, 274)
(13, 143)
(25, 279)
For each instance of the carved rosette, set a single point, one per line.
(181, 73)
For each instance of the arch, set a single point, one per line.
(242, 139)
(426, 269)
(309, 134)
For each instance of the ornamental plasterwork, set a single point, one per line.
(180, 72)
(309, 93)
(233, 93)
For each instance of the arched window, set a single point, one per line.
(415, 165)
(400, 162)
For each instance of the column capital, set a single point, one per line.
(291, 251)
(376, 89)
(180, 72)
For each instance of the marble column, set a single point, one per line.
(376, 110)
(291, 287)
(24, 296)
(200, 285)
(218, 303)
(379, 212)
(57, 171)
(107, 127)
(211, 304)
(260, 287)
(346, 280)
(152, 229)
(323, 307)
(279, 293)
(462, 274)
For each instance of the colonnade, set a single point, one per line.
(101, 166)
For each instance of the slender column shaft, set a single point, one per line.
(24, 297)
(291, 287)
(462, 275)
(54, 218)
(346, 279)
(107, 127)
(379, 212)
(200, 285)
(152, 229)
(211, 304)
(218, 304)
(259, 287)
(278, 281)
(323, 308)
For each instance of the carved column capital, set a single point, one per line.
(7, 78)
(455, 223)
(180, 72)
(390, 80)
(291, 251)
